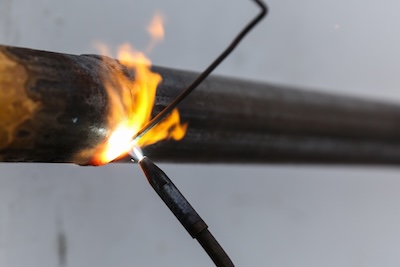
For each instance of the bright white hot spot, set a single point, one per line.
(136, 153)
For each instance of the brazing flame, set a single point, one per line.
(156, 28)
(131, 105)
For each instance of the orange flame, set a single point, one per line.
(132, 103)
(156, 28)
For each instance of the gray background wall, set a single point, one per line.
(65, 215)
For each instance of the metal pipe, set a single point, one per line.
(52, 106)
(230, 120)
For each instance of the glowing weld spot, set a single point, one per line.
(136, 153)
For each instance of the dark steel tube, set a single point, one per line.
(230, 120)
(233, 120)
(53, 106)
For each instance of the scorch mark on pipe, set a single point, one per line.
(15, 105)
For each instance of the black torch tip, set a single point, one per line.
(156, 177)
(184, 212)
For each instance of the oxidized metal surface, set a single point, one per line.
(59, 105)
(15, 105)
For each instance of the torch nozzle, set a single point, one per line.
(184, 212)
(172, 197)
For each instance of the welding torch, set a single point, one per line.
(182, 209)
